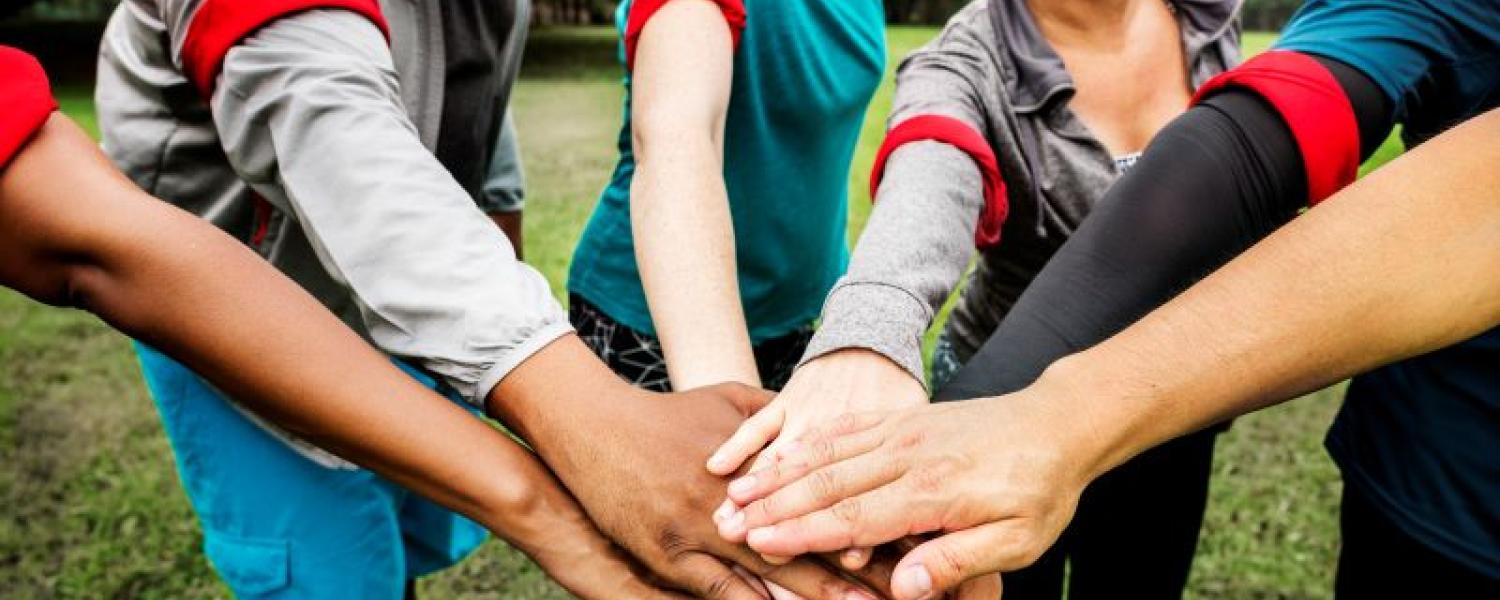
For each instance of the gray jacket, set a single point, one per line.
(991, 69)
(335, 129)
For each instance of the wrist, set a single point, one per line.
(690, 377)
(551, 393)
(862, 364)
(1102, 421)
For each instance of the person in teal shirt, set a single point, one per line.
(723, 227)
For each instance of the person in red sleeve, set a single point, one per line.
(70, 235)
(1409, 274)
(1006, 132)
(349, 143)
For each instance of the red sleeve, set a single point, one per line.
(641, 12)
(25, 101)
(1315, 108)
(960, 135)
(219, 25)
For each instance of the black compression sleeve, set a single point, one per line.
(1372, 109)
(1213, 183)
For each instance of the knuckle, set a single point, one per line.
(719, 586)
(824, 486)
(928, 482)
(770, 473)
(848, 513)
(951, 562)
(673, 545)
(845, 423)
(910, 440)
(764, 510)
(821, 451)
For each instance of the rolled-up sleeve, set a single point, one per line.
(309, 111)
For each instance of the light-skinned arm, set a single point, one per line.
(679, 206)
(71, 234)
(1403, 262)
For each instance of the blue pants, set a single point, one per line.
(278, 524)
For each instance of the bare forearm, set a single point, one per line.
(685, 246)
(679, 207)
(1401, 263)
(77, 227)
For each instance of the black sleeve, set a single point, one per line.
(1212, 183)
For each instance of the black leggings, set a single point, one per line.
(1214, 182)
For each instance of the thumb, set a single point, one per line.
(750, 399)
(752, 435)
(948, 561)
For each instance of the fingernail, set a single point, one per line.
(853, 556)
(725, 511)
(717, 462)
(742, 486)
(761, 535)
(735, 521)
(913, 582)
(857, 595)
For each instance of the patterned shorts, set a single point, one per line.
(945, 363)
(638, 357)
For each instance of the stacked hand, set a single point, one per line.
(634, 461)
(838, 383)
(821, 396)
(997, 478)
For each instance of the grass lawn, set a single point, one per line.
(95, 509)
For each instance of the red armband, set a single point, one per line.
(25, 101)
(220, 25)
(1315, 108)
(960, 135)
(641, 12)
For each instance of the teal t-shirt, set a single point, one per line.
(804, 73)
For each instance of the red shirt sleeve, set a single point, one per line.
(25, 101)
(960, 135)
(641, 12)
(219, 25)
(1313, 105)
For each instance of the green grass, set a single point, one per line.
(95, 510)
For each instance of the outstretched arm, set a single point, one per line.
(1405, 262)
(73, 233)
(683, 63)
(1401, 263)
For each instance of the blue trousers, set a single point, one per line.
(280, 524)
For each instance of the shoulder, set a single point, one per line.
(968, 44)
(971, 27)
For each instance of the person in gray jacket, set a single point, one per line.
(348, 142)
(1005, 131)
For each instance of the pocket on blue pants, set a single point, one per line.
(251, 567)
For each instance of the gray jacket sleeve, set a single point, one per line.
(919, 239)
(310, 114)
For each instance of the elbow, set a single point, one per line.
(57, 280)
(658, 139)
